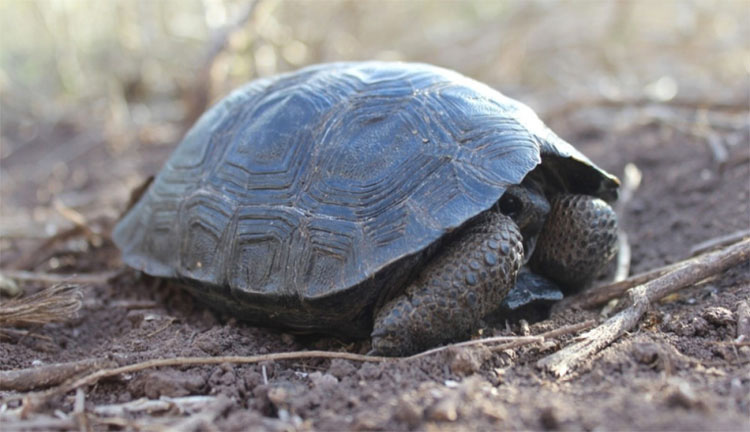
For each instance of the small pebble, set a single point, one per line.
(682, 395)
(444, 410)
(718, 316)
(549, 419)
(646, 353)
(9, 287)
(341, 368)
(325, 382)
(466, 362)
(278, 395)
(409, 413)
(525, 330)
(284, 415)
(367, 421)
(700, 326)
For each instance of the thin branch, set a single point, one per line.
(631, 181)
(42, 423)
(28, 259)
(164, 403)
(8, 332)
(568, 329)
(581, 103)
(204, 420)
(86, 278)
(565, 330)
(743, 321)
(640, 298)
(721, 241)
(622, 269)
(198, 94)
(48, 375)
(35, 399)
(521, 340)
(600, 295)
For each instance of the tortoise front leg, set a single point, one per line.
(577, 241)
(454, 291)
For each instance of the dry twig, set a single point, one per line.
(35, 399)
(720, 241)
(41, 252)
(631, 181)
(581, 103)
(639, 299)
(45, 423)
(204, 420)
(600, 295)
(48, 375)
(79, 411)
(58, 278)
(163, 404)
(57, 303)
(743, 321)
(562, 331)
(198, 95)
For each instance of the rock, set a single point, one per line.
(368, 420)
(681, 394)
(341, 368)
(646, 353)
(444, 409)
(9, 287)
(548, 419)
(718, 316)
(278, 395)
(325, 382)
(171, 383)
(370, 371)
(409, 413)
(467, 361)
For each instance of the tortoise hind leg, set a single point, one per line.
(577, 241)
(454, 291)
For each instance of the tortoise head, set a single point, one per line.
(528, 206)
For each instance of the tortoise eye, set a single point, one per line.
(510, 205)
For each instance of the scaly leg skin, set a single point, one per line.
(454, 291)
(577, 241)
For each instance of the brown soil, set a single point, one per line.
(677, 371)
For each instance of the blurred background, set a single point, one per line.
(95, 94)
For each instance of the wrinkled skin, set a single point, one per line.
(567, 240)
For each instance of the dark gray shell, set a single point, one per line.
(300, 192)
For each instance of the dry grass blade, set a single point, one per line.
(57, 303)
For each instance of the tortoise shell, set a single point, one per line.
(307, 198)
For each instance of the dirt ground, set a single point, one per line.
(679, 370)
(95, 95)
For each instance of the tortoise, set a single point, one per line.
(395, 200)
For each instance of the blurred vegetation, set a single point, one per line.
(128, 75)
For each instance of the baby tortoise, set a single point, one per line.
(395, 200)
